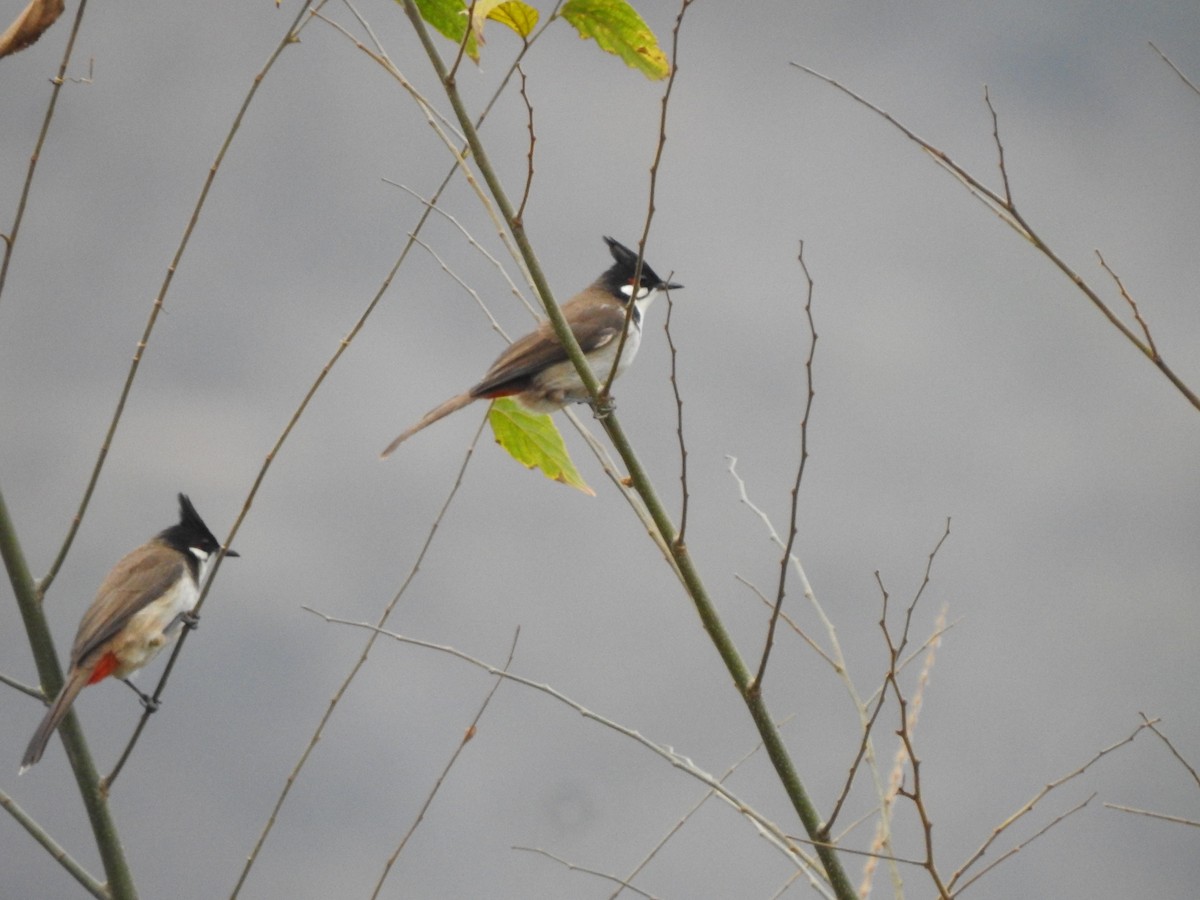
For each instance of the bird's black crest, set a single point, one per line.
(191, 530)
(622, 270)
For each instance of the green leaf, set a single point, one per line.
(450, 18)
(534, 442)
(618, 29)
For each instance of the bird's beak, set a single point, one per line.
(229, 553)
(671, 286)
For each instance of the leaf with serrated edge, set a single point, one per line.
(618, 29)
(533, 441)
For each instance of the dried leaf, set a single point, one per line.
(29, 25)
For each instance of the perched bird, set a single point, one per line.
(536, 370)
(141, 607)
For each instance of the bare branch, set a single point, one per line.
(817, 648)
(1175, 68)
(36, 692)
(468, 735)
(10, 237)
(1031, 804)
(1003, 207)
(466, 287)
(1150, 723)
(1013, 851)
(1008, 198)
(786, 558)
(156, 306)
(683, 454)
(768, 829)
(606, 390)
(625, 885)
(675, 829)
(1137, 313)
(354, 670)
(532, 144)
(1178, 820)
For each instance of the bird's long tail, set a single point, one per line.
(58, 709)
(451, 405)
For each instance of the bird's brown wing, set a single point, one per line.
(133, 583)
(594, 325)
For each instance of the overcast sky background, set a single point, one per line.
(957, 374)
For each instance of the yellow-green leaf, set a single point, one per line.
(618, 29)
(534, 442)
(450, 18)
(520, 17)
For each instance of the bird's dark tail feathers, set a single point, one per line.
(54, 716)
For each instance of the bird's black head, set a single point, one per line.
(618, 280)
(191, 534)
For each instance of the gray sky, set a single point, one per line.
(957, 373)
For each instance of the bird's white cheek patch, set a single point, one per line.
(205, 558)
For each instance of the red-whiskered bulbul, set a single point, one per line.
(140, 608)
(536, 371)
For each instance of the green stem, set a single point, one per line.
(692, 581)
(120, 879)
(80, 874)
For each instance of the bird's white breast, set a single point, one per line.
(156, 625)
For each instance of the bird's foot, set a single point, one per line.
(188, 620)
(148, 702)
(604, 406)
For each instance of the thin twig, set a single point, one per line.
(1029, 806)
(1008, 197)
(766, 827)
(683, 454)
(468, 735)
(1178, 820)
(1017, 848)
(786, 558)
(466, 39)
(1137, 313)
(908, 710)
(461, 283)
(10, 239)
(1003, 207)
(683, 820)
(606, 390)
(36, 692)
(835, 655)
(354, 670)
(532, 144)
(787, 620)
(483, 251)
(882, 838)
(625, 885)
(290, 37)
(160, 299)
(1175, 68)
(864, 749)
(1150, 723)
